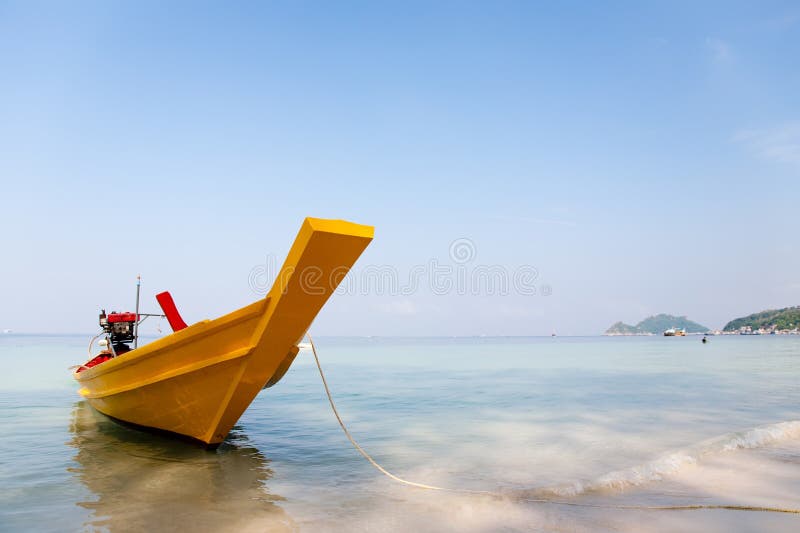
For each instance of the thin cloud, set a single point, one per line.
(535, 220)
(720, 50)
(779, 143)
(786, 21)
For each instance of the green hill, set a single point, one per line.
(786, 318)
(656, 324)
(621, 328)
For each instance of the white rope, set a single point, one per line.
(355, 444)
(495, 494)
(91, 342)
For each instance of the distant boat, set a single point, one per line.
(675, 332)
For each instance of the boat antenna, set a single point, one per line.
(136, 324)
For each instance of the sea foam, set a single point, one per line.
(670, 463)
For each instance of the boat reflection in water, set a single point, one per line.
(144, 482)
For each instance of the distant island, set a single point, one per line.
(784, 320)
(656, 325)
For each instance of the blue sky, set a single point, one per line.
(642, 157)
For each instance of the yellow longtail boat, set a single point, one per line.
(199, 380)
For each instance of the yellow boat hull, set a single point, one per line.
(197, 382)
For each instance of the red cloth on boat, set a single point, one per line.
(102, 357)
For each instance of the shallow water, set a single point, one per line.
(598, 421)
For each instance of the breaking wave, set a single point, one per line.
(672, 462)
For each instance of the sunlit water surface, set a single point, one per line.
(607, 422)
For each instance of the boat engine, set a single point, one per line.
(120, 329)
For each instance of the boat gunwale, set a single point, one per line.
(173, 340)
(170, 374)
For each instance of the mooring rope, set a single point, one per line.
(496, 494)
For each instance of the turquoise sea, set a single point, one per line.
(600, 422)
